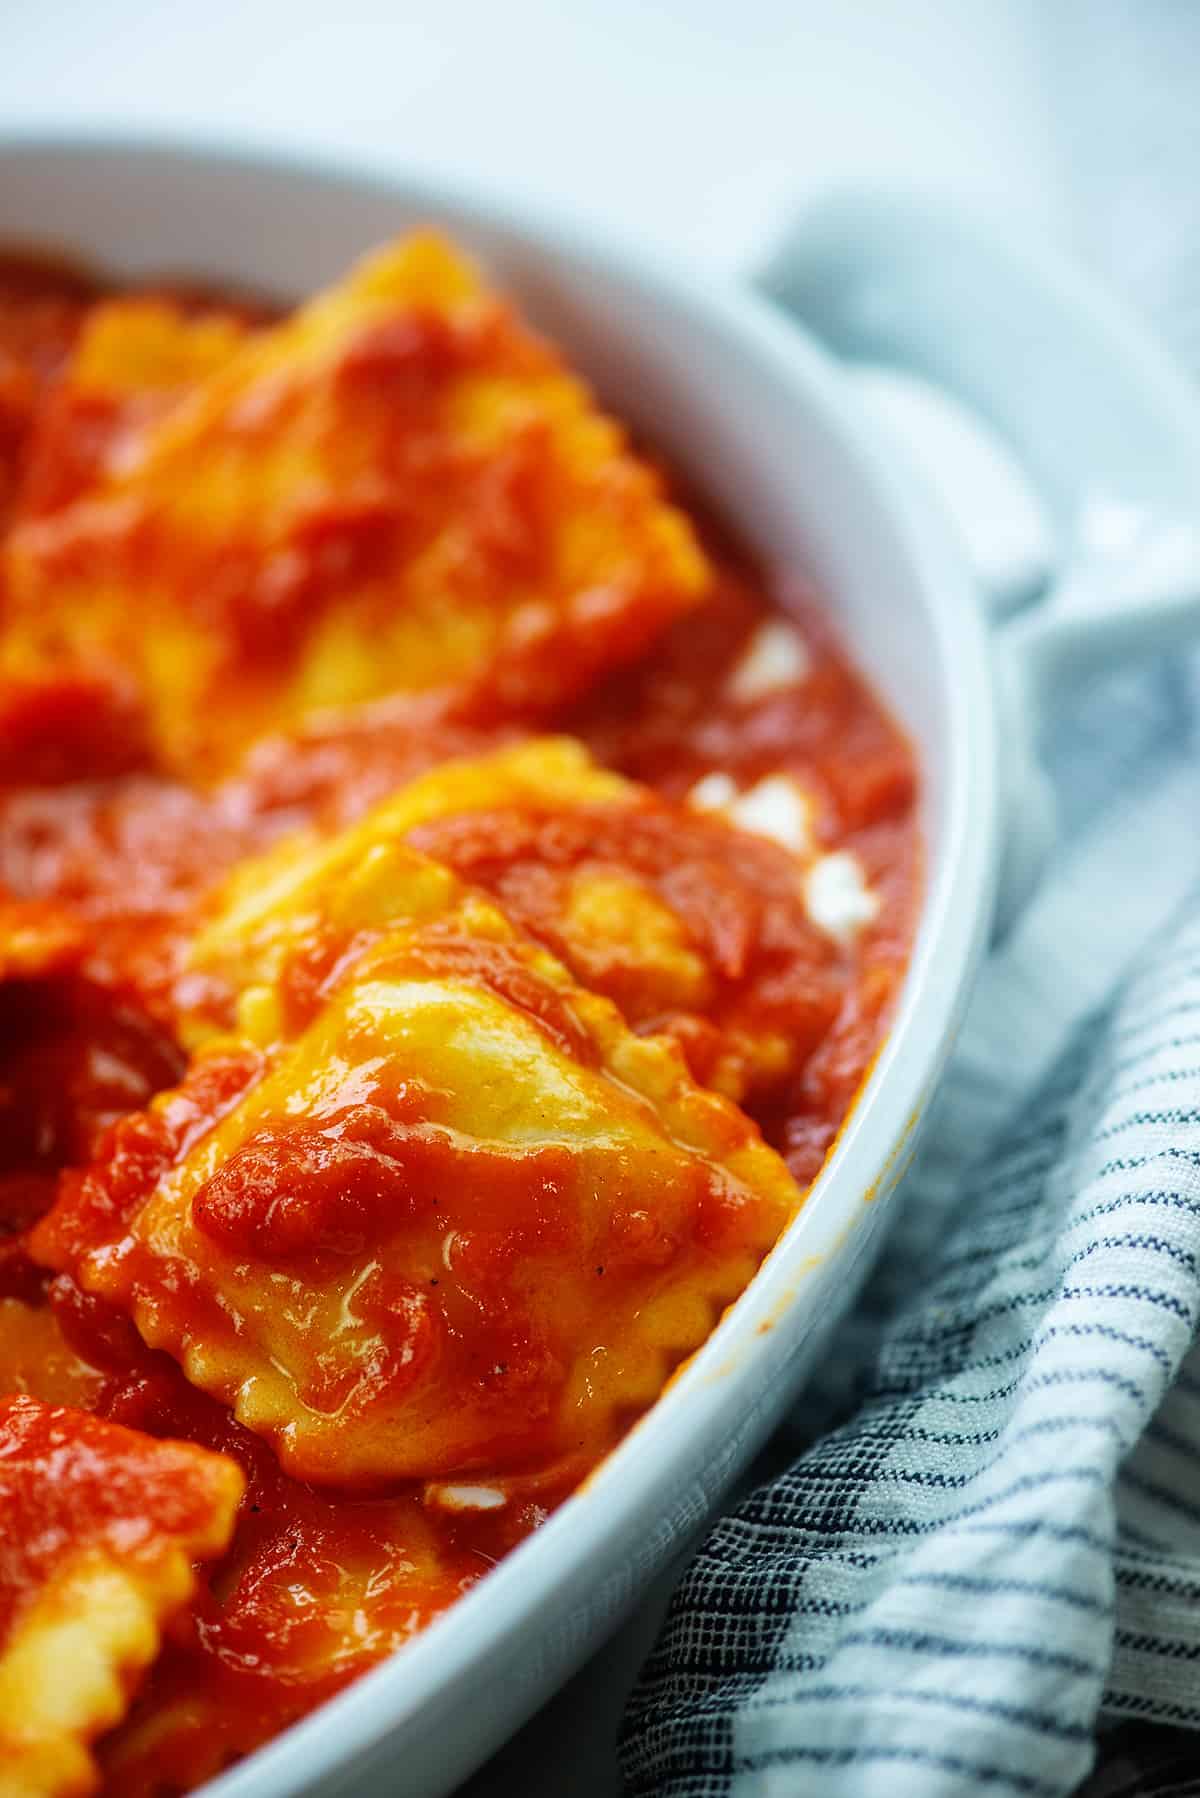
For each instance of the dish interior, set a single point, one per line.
(669, 863)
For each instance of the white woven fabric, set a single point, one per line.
(998, 1548)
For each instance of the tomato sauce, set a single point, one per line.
(70, 1483)
(108, 856)
(41, 309)
(314, 1590)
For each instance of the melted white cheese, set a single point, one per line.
(777, 656)
(777, 808)
(713, 793)
(837, 898)
(465, 1498)
(774, 807)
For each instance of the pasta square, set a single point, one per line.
(688, 924)
(398, 487)
(314, 1587)
(437, 1210)
(135, 356)
(101, 1526)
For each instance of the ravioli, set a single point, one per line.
(313, 1599)
(314, 1587)
(101, 1527)
(691, 926)
(134, 358)
(399, 487)
(68, 706)
(436, 1210)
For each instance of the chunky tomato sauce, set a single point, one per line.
(111, 852)
(72, 1485)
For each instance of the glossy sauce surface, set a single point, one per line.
(110, 854)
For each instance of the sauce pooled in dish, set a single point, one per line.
(449, 901)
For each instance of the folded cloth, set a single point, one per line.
(996, 1550)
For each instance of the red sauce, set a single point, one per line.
(137, 1150)
(41, 309)
(70, 1483)
(118, 854)
(446, 953)
(770, 971)
(315, 1591)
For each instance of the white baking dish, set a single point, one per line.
(767, 424)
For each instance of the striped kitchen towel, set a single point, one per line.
(994, 1553)
(978, 1569)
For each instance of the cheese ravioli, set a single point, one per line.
(135, 357)
(99, 1529)
(435, 1210)
(398, 487)
(312, 1590)
(691, 926)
